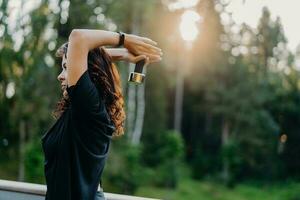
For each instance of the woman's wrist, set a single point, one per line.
(121, 39)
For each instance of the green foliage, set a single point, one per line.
(155, 123)
(34, 163)
(172, 144)
(171, 152)
(241, 88)
(130, 173)
(123, 172)
(233, 158)
(203, 164)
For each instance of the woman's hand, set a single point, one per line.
(118, 54)
(137, 46)
(135, 59)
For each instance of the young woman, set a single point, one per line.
(90, 112)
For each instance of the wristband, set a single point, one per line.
(121, 38)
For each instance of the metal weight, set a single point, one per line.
(137, 76)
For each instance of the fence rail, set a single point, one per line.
(30, 191)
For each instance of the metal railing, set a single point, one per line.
(22, 191)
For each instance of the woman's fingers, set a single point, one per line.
(142, 46)
(139, 45)
(143, 50)
(145, 40)
(148, 44)
(138, 58)
(138, 50)
(149, 41)
(153, 56)
(153, 60)
(139, 39)
(151, 48)
(149, 59)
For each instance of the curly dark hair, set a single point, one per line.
(105, 76)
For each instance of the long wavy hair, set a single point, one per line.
(105, 76)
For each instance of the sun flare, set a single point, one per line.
(188, 25)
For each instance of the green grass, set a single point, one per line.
(9, 169)
(189, 189)
(195, 190)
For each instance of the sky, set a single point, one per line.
(249, 11)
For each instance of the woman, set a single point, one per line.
(91, 111)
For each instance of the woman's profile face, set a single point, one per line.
(63, 76)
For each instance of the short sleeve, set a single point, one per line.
(83, 95)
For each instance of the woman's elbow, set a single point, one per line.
(77, 35)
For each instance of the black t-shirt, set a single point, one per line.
(76, 145)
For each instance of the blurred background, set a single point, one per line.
(217, 118)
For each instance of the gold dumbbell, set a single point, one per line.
(137, 76)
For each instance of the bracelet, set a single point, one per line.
(121, 38)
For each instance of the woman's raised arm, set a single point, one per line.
(135, 44)
(83, 40)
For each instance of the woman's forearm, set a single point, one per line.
(92, 38)
(117, 54)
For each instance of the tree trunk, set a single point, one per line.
(131, 106)
(225, 140)
(178, 98)
(136, 99)
(208, 121)
(137, 133)
(21, 174)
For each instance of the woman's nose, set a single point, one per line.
(60, 77)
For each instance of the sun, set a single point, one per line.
(188, 25)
